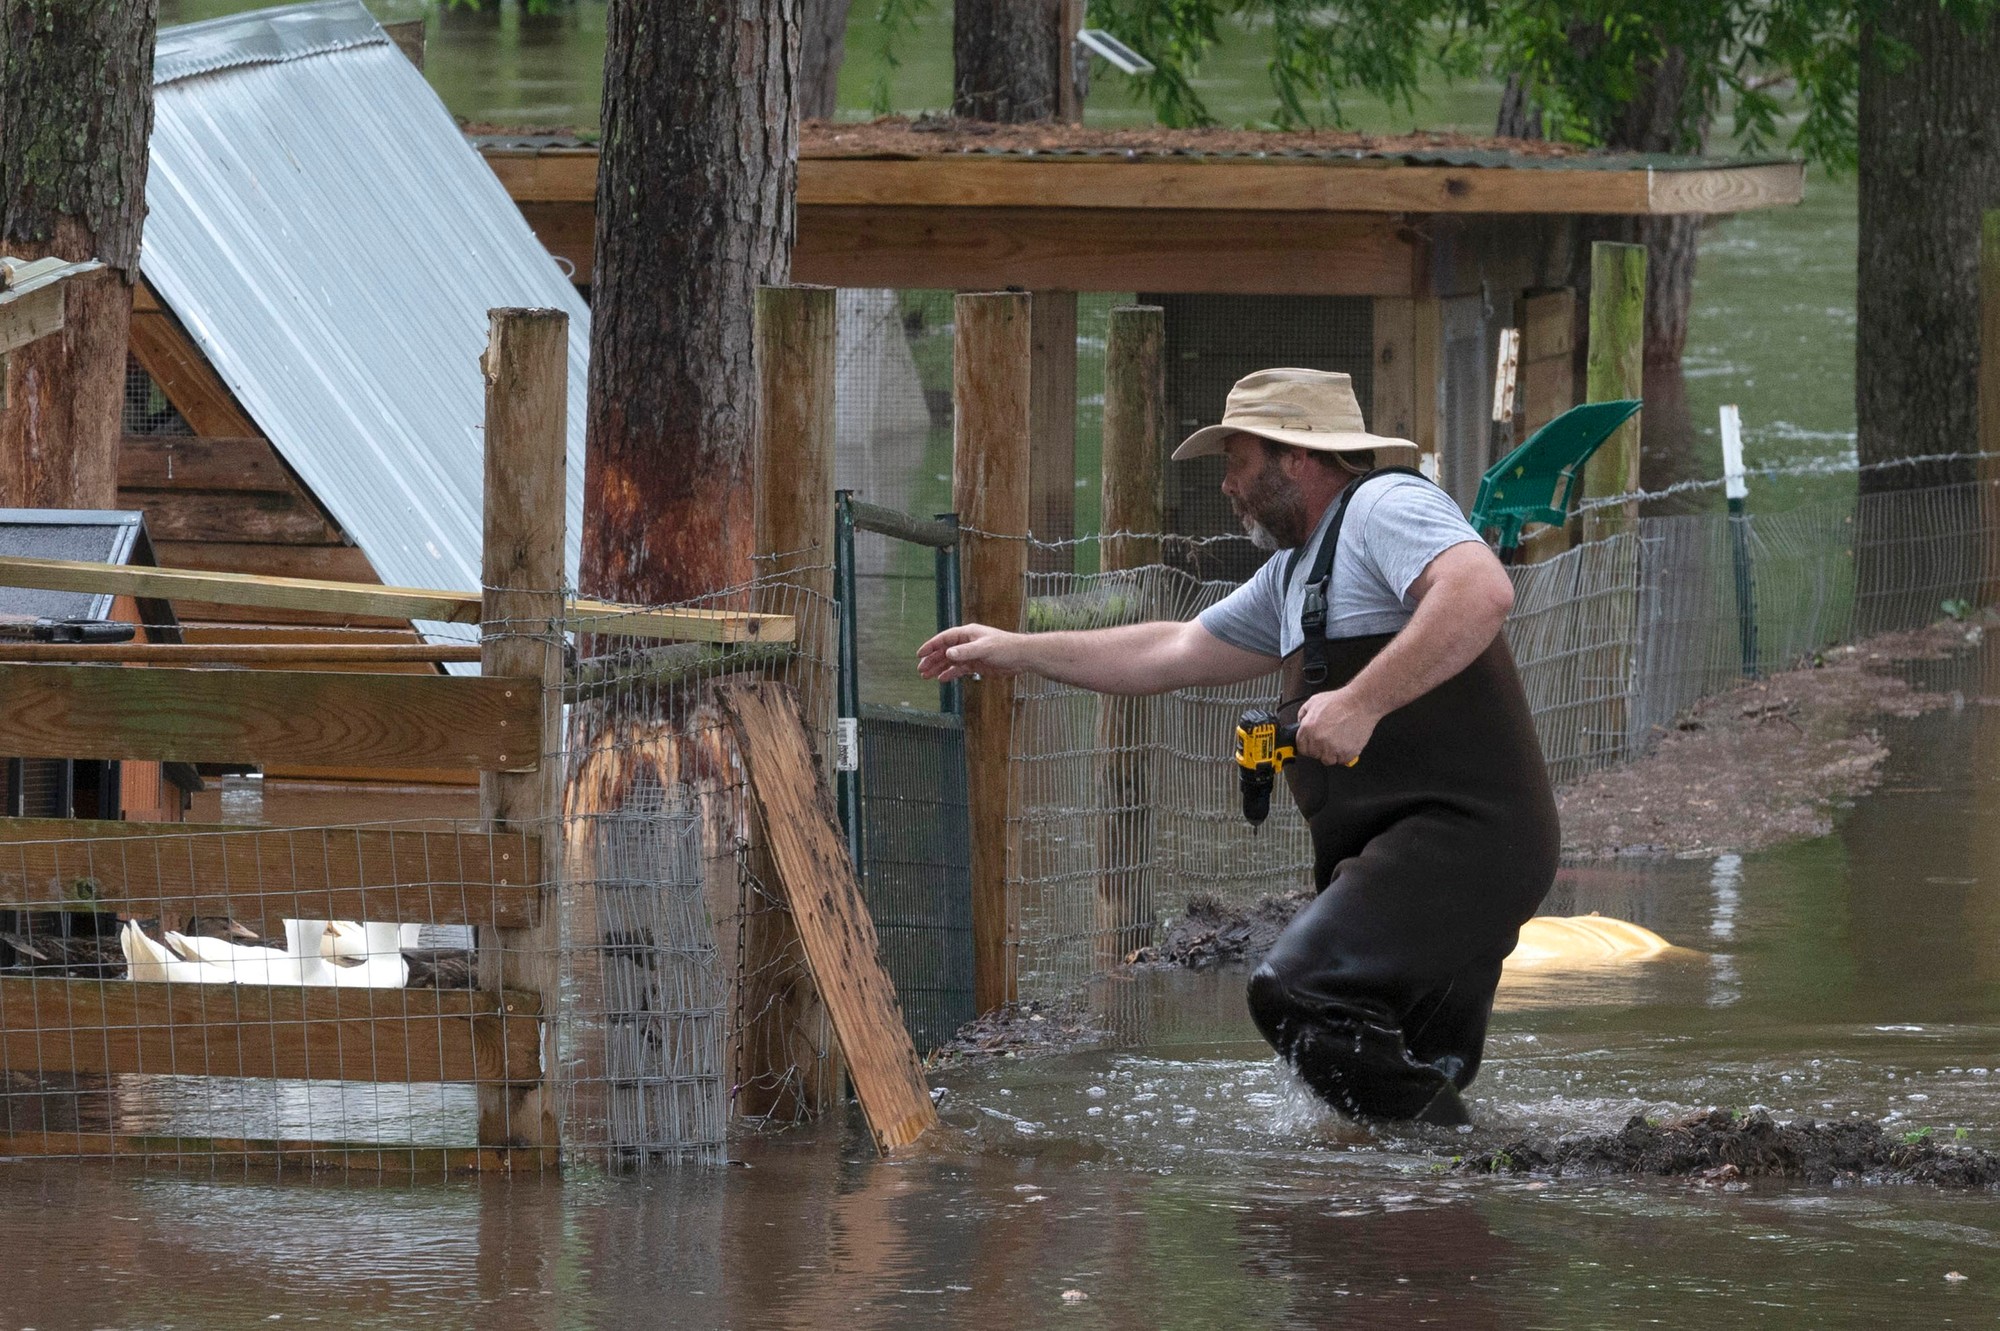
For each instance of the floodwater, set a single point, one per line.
(1175, 1179)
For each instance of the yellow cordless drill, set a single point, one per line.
(1264, 745)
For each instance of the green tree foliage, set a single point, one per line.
(1586, 64)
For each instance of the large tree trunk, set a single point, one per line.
(1930, 163)
(695, 208)
(822, 49)
(76, 112)
(1008, 59)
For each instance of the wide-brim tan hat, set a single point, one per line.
(1313, 409)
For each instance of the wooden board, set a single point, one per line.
(262, 516)
(400, 603)
(1368, 185)
(1049, 248)
(30, 317)
(270, 717)
(175, 871)
(244, 1030)
(166, 461)
(357, 654)
(817, 880)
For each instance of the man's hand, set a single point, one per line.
(1335, 727)
(970, 649)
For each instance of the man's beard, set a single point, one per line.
(1271, 509)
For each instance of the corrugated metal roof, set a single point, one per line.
(333, 244)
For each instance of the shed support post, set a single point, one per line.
(527, 385)
(783, 1025)
(991, 391)
(1615, 368)
(1135, 425)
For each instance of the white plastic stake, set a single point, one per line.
(1734, 485)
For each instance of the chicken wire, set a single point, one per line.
(1124, 809)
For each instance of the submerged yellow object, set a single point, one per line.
(1551, 942)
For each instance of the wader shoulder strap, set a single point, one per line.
(1312, 617)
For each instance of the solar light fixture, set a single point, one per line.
(1122, 57)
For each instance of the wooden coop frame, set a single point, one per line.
(1420, 234)
(286, 706)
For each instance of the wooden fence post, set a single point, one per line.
(782, 1017)
(991, 356)
(1615, 368)
(1989, 406)
(527, 389)
(1052, 431)
(1135, 421)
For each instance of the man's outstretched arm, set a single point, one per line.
(1134, 658)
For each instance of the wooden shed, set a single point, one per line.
(1397, 260)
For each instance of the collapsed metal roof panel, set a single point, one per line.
(332, 243)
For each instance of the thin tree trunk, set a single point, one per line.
(76, 112)
(1007, 59)
(1930, 163)
(822, 49)
(695, 207)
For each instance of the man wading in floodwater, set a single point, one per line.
(1433, 825)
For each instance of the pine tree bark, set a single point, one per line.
(822, 50)
(76, 113)
(1007, 59)
(696, 191)
(1929, 164)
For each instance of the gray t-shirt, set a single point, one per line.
(1395, 527)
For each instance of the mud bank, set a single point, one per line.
(1762, 764)
(1718, 1147)
(1021, 1029)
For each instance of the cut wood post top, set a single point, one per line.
(581, 615)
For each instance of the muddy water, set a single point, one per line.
(1176, 1180)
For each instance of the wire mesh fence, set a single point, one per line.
(1124, 809)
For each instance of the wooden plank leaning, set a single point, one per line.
(817, 881)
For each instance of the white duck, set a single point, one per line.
(148, 962)
(299, 964)
(379, 964)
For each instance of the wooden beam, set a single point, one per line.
(166, 352)
(1366, 186)
(546, 175)
(270, 717)
(168, 462)
(991, 392)
(526, 367)
(242, 1030)
(1050, 248)
(399, 603)
(838, 937)
(1720, 190)
(1393, 411)
(30, 317)
(235, 653)
(176, 871)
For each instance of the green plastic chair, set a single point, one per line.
(1538, 481)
